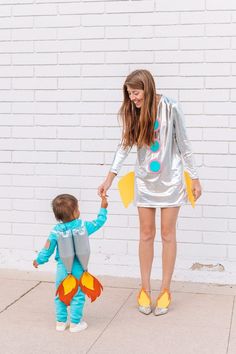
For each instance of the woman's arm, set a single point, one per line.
(119, 158)
(185, 149)
(183, 142)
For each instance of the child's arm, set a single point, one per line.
(47, 251)
(93, 226)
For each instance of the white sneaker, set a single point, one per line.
(78, 327)
(61, 326)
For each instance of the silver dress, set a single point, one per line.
(159, 180)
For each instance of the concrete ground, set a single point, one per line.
(201, 320)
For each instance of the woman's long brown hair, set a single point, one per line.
(138, 124)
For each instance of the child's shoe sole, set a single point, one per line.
(79, 327)
(61, 326)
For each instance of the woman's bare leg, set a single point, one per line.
(146, 244)
(168, 233)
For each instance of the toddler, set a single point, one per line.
(66, 211)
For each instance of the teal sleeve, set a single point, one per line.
(93, 226)
(46, 253)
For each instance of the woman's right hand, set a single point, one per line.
(103, 188)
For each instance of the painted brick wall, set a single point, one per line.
(62, 65)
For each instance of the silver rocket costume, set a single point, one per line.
(159, 180)
(73, 243)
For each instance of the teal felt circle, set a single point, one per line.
(155, 147)
(156, 125)
(155, 166)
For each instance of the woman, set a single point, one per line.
(154, 123)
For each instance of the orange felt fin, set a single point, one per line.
(188, 183)
(67, 289)
(90, 286)
(126, 188)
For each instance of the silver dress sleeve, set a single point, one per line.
(183, 142)
(120, 156)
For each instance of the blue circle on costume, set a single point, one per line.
(155, 147)
(155, 166)
(156, 125)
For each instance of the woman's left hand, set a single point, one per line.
(196, 188)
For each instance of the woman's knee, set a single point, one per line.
(147, 234)
(168, 235)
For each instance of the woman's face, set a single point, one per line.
(136, 96)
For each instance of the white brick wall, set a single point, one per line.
(62, 65)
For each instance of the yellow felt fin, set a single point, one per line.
(69, 284)
(126, 188)
(188, 183)
(90, 286)
(87, 280)
(164, 300)
(67, 289)
(144, 299)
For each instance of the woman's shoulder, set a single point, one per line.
(171, 105)
(169, 100)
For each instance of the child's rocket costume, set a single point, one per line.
(72, 252)
(159, 178)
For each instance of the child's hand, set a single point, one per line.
(35, 264)
(104, 203)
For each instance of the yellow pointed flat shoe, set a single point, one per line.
(144, 302)
(163, 302)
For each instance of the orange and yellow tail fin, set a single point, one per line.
(90, 286)
(67, 289)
